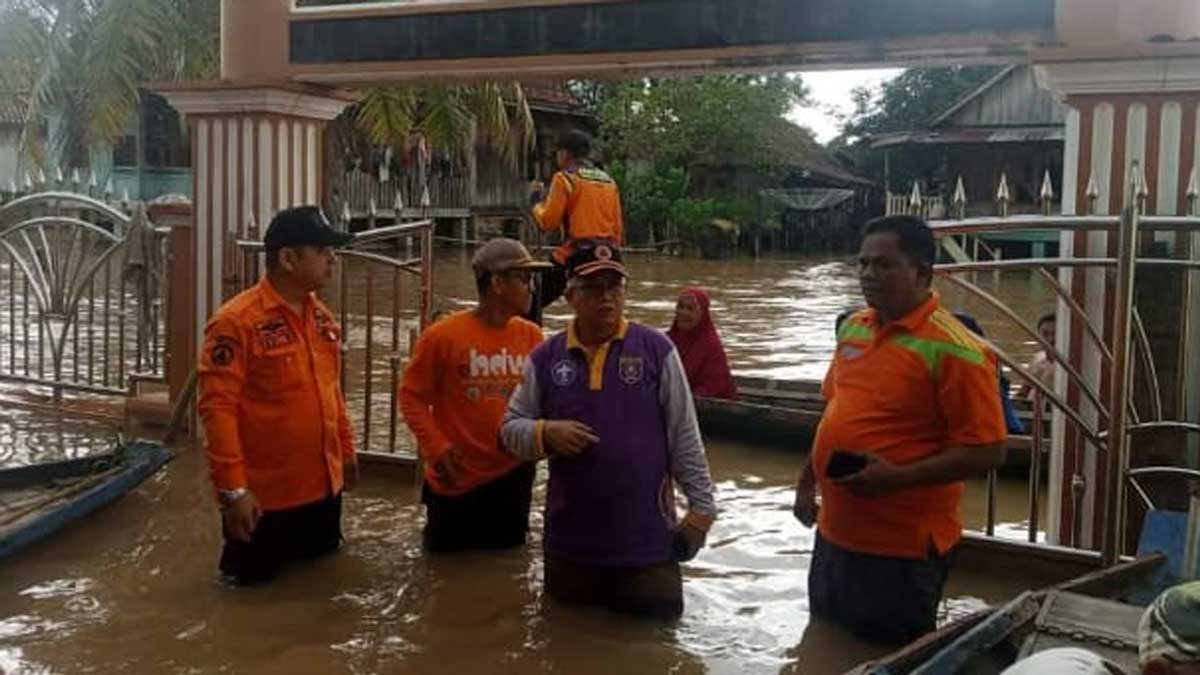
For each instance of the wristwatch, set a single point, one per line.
(228, 497)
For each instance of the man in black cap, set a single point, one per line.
(279, 444)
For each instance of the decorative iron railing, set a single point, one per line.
(1111, 402)
(82, 298)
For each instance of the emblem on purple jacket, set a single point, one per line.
(631, 369)
(563, 372)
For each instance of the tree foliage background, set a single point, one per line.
(658, 135)
(84, 61)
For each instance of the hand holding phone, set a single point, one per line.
(844, 463)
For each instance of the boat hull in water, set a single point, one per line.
(785, 413)
(38, 500)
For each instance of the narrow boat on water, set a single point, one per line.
(40, 499)
(785, 414)
(1099, 611)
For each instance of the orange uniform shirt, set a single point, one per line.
(270, 399)
(455, 391)
(904, 391)
(584, 203)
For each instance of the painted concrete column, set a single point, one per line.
(255, 150)
(1121, 112)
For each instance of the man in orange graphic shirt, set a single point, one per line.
(280, 448)
(454, 394)
(584, 204)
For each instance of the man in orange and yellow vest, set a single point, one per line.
(911, 412)
(584, 203)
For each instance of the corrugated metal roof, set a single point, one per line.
(971, 135)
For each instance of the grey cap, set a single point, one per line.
(504, 255)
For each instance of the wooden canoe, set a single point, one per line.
(776, 426)
(38, 500)
(785, 414)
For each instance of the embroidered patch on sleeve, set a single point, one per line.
(222, 351)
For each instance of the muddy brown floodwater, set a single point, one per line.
(133, 589)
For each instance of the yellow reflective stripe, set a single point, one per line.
(595, 175)
(852, 330)
(959, 333)
(931, 351)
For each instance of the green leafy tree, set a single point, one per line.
(706, 120)
(658, 135)
(83, 61)
(451, 118)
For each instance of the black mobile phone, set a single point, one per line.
(844, 464)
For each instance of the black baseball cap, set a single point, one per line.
(592, 257)
(303, 226)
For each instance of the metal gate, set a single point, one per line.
(1126, 356)
(82, 304)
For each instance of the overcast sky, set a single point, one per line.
(830, 92)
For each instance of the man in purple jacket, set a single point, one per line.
(607, 402)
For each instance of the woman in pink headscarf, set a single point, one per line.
(700, 349)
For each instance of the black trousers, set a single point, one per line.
(551, 285)
(300, 533)
(654, 591)
(878, 598)
(493, 515)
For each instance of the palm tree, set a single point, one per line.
(84, 60)
(452, 118)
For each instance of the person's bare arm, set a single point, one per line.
(805, 507)
(948, 466)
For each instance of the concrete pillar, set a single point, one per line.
(1142, 110)
(181, 292)
(255, 150)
